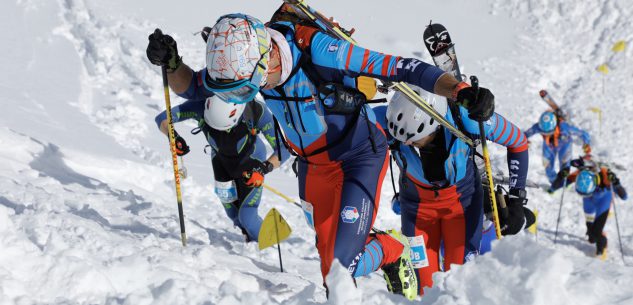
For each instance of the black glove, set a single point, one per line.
(559, 181)
(577, 163)
(254, 177)
(513, 219)
(253, 165)
(181, 146)
(617, 186)
(163, 51)
(563, 173)
(612, 177)
(479, 102)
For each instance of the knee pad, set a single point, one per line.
(226, 191)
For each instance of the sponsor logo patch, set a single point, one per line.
(332, 48)
(349, 214)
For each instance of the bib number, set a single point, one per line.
(308, 212)
(418, 252)
(226, 191)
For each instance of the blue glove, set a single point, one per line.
(395, 204)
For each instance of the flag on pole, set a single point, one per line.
(619, 46)
(603, 68)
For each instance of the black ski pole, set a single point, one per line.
(172, 147)
(617, 226)
(281, 264)
(560, 208)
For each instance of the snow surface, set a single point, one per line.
(87, 207)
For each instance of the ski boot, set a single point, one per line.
(247, 238)
(400, 275)
(601, 247)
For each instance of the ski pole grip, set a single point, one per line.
(501, 200)
(474, 82)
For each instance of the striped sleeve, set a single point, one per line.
(504, 132)
(352, 60)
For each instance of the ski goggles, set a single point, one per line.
(238, 92)
(244, 90)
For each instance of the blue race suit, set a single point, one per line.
(343, 156)
(234, 151)
(596, 206)
(558, 145)
(441, 195)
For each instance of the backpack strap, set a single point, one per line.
(457, 117)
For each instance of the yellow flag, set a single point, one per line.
(274, 230)
(598, 111)
(595, 109)
(619, 46)
(532, 228)
(603, 68)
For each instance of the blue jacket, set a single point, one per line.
(566, 131)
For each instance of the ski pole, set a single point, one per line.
(491, 184)
(280, 194)
(617, 225)
(281, 264)
(560, 208)
(174, 158)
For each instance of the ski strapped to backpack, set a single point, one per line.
(442, 49)
(330, 27)
(560, 114)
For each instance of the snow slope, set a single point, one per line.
(87, 207)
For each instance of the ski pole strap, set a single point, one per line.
(393, 182)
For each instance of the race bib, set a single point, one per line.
(226, 191)
(418, 252)
(308, 212)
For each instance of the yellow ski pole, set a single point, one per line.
(174, 158)
(280, 194)
(484, 147)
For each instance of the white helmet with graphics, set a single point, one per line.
(222, 115)
(407, 122)
(238, 50)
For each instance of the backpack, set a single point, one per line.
(344, 99)
(227, 140)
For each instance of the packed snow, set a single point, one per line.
(88, 212)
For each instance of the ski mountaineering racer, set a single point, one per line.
(596, 183)
(302, 72)
(557, 141)
(238, 154)
(441, 195)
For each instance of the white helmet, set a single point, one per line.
(407, 122)
(238, 50)
(222, 115)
